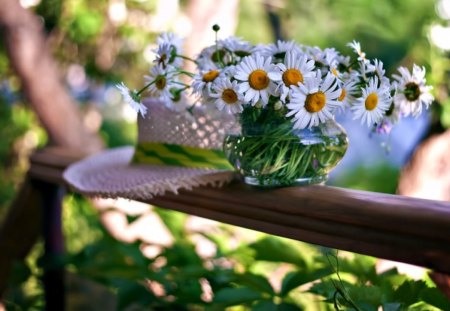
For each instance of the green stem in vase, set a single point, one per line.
(272, 153)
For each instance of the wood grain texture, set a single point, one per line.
(395, 227)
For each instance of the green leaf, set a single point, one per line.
(393, 306)
(255, 281)
(275, 249)
(20, 272)
(409, 292)
(325, 289)
(296, 278)
(130, 293)
(434, 297)
(285, 306)
(267, 305)
(362, 267)
(264, 305)
(235, 296)
(371, 296)
(182, 254)
(174, 221)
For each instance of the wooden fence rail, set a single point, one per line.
(405, 229)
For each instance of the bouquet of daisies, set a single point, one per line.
(284, 87)
(312, 83)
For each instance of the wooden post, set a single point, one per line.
(20, 230)
(51, 196)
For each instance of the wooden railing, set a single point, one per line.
(410, 230)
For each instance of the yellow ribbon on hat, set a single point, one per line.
(177, 155)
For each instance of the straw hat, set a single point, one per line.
(175, 149)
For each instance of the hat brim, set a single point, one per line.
(109, 174)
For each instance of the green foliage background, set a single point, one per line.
(314, 278)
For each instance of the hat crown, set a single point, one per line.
(198, 127)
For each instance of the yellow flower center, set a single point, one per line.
(342, 96)
(229, 96)
(371, 101)
(160, 82)
(315, 102)
(335, 72)
(210, 75)
(258, 79)
(292, 77)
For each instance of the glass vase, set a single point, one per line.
(268, 152)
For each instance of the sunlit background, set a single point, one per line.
(99, 43)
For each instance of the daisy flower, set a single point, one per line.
(349, 89)
(227, 96)
(171, 39)
(132, 98)
(202, 81)
(343, 61)
(356, 46)
(323, 59)
(363, 73)
(378, 70)
(294, 70)
(238, 46)
(253, 74)
(373, 103)
(412, 93)
(313, 102)
(278, 49)
(204, 60)
(165, 55)
(163, 82)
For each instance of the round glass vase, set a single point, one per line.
(268, 152)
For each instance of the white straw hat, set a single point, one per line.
(175, 149)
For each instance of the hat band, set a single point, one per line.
(177, 155)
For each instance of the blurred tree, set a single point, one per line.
(40, 79)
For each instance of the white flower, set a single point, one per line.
(238, 46)
(253, 72)
(205, 61)
(328, 57)
(356, 46)
(278, 49)
(343, 60)
(163, 82)
(173, 40)
(373, 103)
(363, 73)
(165, 55)
(348, 91)
(313, 102)
(295, 69)
(227, 96)
(378, 70)
(412, 93)
(202, 81)
(132, 98)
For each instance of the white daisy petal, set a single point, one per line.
(412, 94)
